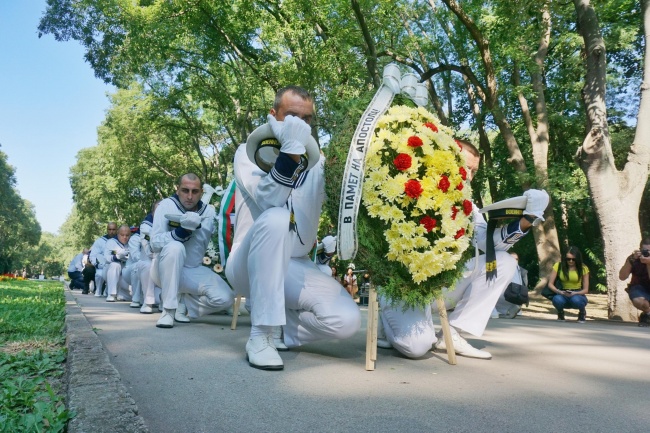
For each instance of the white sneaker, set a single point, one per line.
(146, 309)
(495, 314)
(98, 295)
(181, 312)
(121, 299)
(110, 298)
(382, 341)
(461, 346)
(166, 319)
(135, 305)
(278, 342)
(261, 354)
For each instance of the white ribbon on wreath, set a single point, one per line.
(393, 83)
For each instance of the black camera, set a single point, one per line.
(645, 253)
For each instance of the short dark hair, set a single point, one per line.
(469, 147)
(304, 94)
(190, 176)
(644, 241)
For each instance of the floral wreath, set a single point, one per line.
(415, 183)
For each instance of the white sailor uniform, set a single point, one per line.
(96, 257)
(150, 292)
(177, 265)
(269, 261)
(130, 272)
(115, 269)
(411, 332)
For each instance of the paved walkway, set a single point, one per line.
(545, 376)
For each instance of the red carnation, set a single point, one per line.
(459, 144)
(459, 234)
(431, 126)
(460, 186)
(428, 223)
(415, 141)
(454, 211)
(412, 188)
(463, 173)
(444, 184)
(402, 162)
(467, 207)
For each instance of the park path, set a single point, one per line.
(545, 376)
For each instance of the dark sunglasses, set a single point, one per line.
(570, 259)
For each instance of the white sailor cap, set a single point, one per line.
(263, 148)
(329, 244)
(508, 208)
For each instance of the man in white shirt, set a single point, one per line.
(75, 268)
(97, 256)
(411, 331)
(277, 216)
(116, 254)
(182, 228)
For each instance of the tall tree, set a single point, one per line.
(616, 193)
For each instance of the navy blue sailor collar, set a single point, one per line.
(200, 206)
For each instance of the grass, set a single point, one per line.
(32, 353)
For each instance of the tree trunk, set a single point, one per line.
(616, 195)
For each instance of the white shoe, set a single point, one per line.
(181, 312)
(135, 305)
(382, 341)
(278, 342)
(495, 314)
(110, 298)
(146, 309)
(121, 299)
(261, 354)
(98, 295)
(461, 346)
(166, 319)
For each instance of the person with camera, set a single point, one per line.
(637, 264)
(574, 276)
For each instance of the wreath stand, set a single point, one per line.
(371, 330)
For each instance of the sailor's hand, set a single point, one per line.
(190, 221)
(292, 133)
(536, 205)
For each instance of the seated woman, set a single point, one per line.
(574, 276)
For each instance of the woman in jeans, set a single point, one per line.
(574, 276)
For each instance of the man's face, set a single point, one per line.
(471, 164)
(189, 192)
(123, 235)
(292, 104)
(111, 230)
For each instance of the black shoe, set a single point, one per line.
(560, 315)
(644, 319)
(582, 314)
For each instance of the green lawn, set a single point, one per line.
(32, 353)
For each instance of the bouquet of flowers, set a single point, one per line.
(211, 258)
(415, 184)
(414, 227)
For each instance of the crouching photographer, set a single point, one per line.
(637, 264)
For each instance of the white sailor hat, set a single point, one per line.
(508, 208)
(263, 148)
(329, 243)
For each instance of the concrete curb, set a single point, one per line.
(95, 391)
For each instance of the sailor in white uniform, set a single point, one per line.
(277, 221)
(97, 256)
(182, 228)
(116, 254)
(411, 331)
